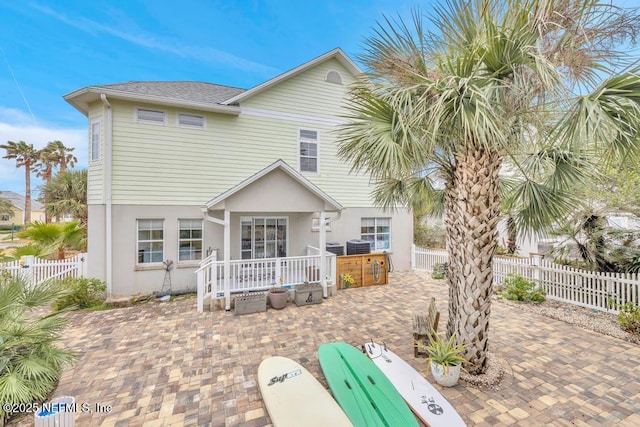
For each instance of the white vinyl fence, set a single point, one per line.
(37, 270)
(600, 291)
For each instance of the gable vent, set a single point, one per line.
(334, 77)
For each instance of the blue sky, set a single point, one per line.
(49, 48)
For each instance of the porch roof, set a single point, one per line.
(293, 175)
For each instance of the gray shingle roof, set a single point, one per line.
(182, 91)
(18, 201)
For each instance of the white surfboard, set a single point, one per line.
(423, 399)
(294, 397)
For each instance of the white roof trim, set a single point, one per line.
(72, 98)
(281, 164)
(337, 53)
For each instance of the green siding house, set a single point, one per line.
(219, 179)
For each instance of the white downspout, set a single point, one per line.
(108, 132)
(323, 249)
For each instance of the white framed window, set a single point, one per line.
(95, 141)
(5, 217)
(263, 237)
(377, 231)
(189, 240)
(146, 115)
(191, 120)
(150, 241)
(308, 144)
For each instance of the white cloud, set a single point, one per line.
(163, 44)
(16, 125)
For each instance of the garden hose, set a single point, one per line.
(376, 271)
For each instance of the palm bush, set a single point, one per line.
(30, 359)
(629, 318)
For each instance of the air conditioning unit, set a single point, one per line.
(335, 248)
(357, 247)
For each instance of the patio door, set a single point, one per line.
(263, 237)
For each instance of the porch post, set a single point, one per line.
(227, 259)
(323, 258)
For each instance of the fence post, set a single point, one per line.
(82, 265)
(26, 262)
(413, 256)
(534, 261)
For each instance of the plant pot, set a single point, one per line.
(446, 376)
(278, 298)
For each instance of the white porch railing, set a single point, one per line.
(259, 274)
(562, 283)
(36, 270)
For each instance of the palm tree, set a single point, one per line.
(30, 361)
(61, 154)
(498, 88)
(66, 194)
(26, 156)
(56, 238)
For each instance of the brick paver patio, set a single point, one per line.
(164, 364)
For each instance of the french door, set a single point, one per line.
(263, 237)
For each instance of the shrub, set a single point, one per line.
(440, 271)
(30, 360)
(82, 293)
(629, 318)
(429, 237)
(517, 288)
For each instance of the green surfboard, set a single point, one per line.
(361, 389)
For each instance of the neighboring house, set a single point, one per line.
(178, 170)
(18, 217)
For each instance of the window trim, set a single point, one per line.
(191, 261)
(187, 126)
(137, 118)
(375, 232)
(98, 159)
(317, 156)
(142, 265)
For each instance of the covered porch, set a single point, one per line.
(271, 236)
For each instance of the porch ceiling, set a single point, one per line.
(276, 188)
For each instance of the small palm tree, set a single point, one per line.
(56, 238)
(31, 362)
(26, 156)
(501, 108)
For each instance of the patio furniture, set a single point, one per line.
(423, 328)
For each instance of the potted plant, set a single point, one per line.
(445, 359)
(278, 296)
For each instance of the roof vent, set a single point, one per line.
(334, 77)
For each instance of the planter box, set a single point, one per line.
(250, 303)
(308, 294)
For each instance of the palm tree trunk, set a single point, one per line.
(473, 205)
(27, 194)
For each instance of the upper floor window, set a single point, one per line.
(308, 142)
(377, 231)
(191, 120)
(190, 240)
(94, 149)
(150, 241)
(150, 116)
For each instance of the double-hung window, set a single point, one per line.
(308, 142)
(150, 241)
(190, 240)
(377, 231)
(94, 148)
